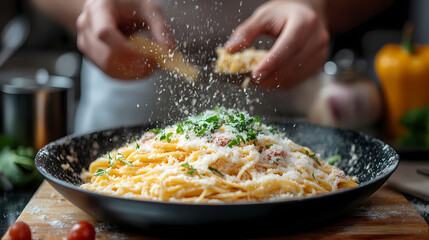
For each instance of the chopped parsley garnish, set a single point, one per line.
(312, 174)
(100, 172)
(202, 130)
(313, 156)
(155, 130)
(192, 169)
(240, 138)
(277, 159)
(251, 135)
(110, 160)
(120, 157)
(215, 118)
(216, 171)
(232, 142)
(269, 145)
(179, 129)
(162, 136)
(333, 159)
(246, 128)
(273, 130)
(137, 145)
(168, 137)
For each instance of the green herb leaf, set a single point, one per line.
(110, 160)
(192, 169)
(121, 159)
(100, 172)
(313, 156)
(126, 162)
(312, 174)
(231, 118)
(155, 130)
(240, 138)
(180, 129)
(137, 145)
(202, 131)
(232, 142)
(251, 135)
(273, 130)
(333, 159)
(258, 120)
(168, 137)
(215, 118)
(216, 171)
(162, 137)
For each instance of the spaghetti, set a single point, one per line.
(219, 156)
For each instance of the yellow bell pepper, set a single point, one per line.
(403, 71)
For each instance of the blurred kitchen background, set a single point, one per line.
(49, 49)
(39, 74)
(47, 46)
(35, 47)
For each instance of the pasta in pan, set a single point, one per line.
(219, 156)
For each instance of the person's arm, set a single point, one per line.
(64, 11)
(302, 29)
(103, 28)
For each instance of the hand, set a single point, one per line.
(302, 41)
(102, 30)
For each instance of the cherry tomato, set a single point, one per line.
(82, 230)
(20, 231)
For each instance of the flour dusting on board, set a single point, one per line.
(422, 208)
(113, 231)
(35, 210)
(380, 212)
(59, 224)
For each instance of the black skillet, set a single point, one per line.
(367, 158)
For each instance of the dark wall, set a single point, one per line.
(392, 18)
(45, 34)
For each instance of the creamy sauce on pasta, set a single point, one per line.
(222, 155)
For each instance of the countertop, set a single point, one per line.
(12, 203)
(384, 215)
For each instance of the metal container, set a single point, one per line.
(35, 113)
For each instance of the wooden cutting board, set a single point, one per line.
(385, 215)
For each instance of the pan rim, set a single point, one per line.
(383, 175)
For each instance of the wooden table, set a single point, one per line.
(385, 215)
